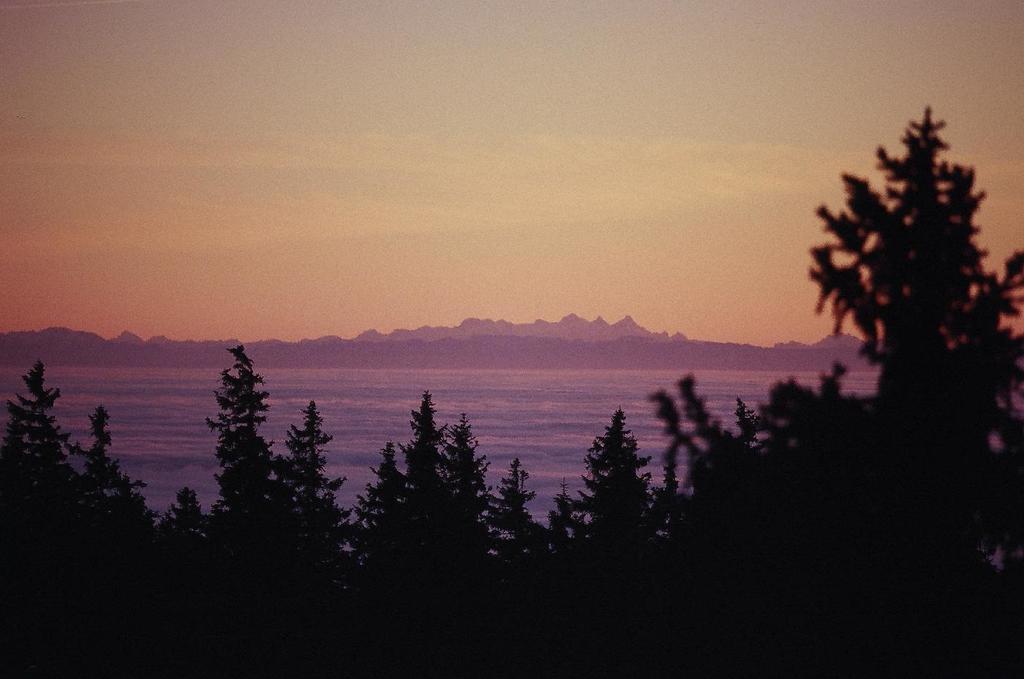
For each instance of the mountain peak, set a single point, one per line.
(127, 337)
(839, 340)
(626, 322)
(569, 327)
(836, 342)
(370, 335)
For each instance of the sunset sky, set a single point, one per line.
(297, 169)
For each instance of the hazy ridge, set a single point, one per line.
(572, 342)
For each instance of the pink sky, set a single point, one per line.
(258, 169)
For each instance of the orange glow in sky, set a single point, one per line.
(265, 169)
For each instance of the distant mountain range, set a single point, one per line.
(571, 327)
(572, 342)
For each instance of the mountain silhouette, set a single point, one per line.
(572, 342)
(571, 327)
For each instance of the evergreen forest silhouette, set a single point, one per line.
(818, 534)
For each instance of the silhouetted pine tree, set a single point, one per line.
(852, 515)
(322, 526)
(905, 266)
(191, 576)
(516, 534)
(118, 535)
(617, 495)
(113, 501)
(253, 515)
(464, 473)
(184, 519)
(427, 502)
(381, 511)
(36, 482)
(45, 570)
(563, 522)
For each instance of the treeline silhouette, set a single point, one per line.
(820, 534)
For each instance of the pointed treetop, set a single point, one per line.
(904, 265)
(241, 358)
(35, 382)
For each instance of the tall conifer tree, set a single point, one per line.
(563, 521)
(322, 525)
(36, 482)
(184, 519)
(905, 266)
(617, 494)
(112, 498)
(427, 508)
(464, 474)
(381, 510)
(516, 533)
(254, 508)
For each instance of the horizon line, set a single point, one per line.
(664, 333)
